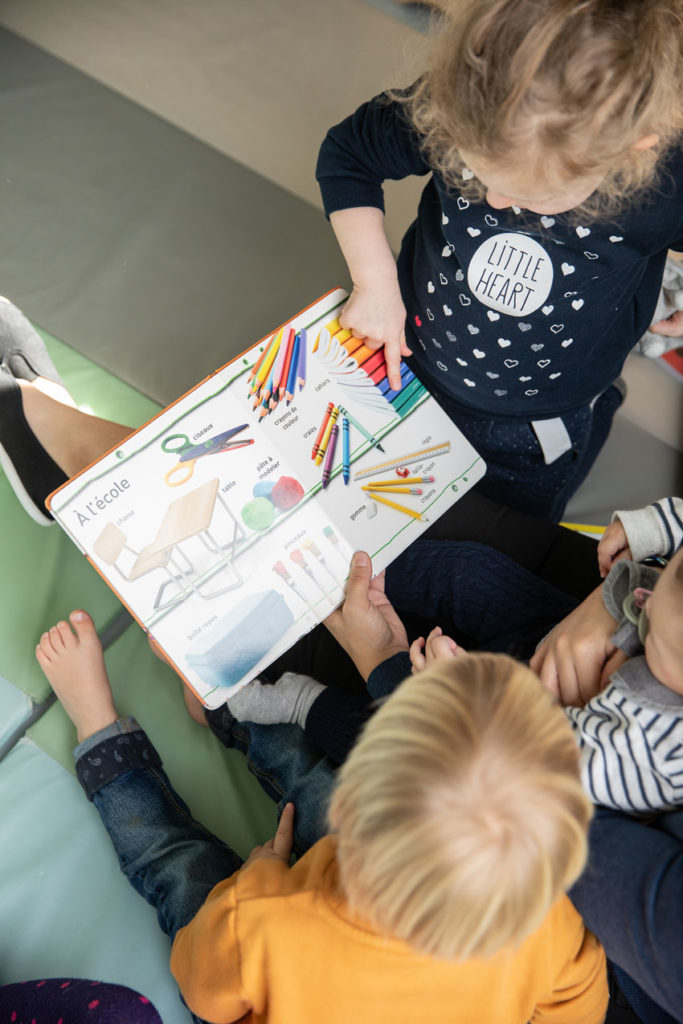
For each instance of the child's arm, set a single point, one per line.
(375, 310)
(578, 657)
(656, 529)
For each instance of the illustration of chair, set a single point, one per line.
(112, 542)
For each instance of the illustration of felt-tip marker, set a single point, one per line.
(281, 569)
(297, 557)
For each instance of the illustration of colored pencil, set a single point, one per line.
(302, 358)
(396, 490)
(322, 447)
(402, 480)
(257, 365)
(399, 508)
(329, 455)
(281, 354)
(323, 427)
(346, 457)
(366, 433)
(284, 376)
(266, 366)
(293, 370)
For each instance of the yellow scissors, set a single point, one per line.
(189, 452)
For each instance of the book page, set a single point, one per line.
(224, 535)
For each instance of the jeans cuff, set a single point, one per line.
(115, 750)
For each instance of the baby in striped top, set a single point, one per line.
(631, 732)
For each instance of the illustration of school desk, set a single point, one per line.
(232, 647)
(188, 516)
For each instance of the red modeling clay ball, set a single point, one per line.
(286, 493)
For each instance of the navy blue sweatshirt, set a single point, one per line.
(513, 314)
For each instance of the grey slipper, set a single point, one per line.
(32, 473)
(21, 348)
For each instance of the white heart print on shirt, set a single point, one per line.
(510, 273)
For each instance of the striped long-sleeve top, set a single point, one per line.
(656, 529)
(631, 734)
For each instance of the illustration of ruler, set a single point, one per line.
(404, 460)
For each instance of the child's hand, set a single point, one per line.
(671, 326)
(613, 546)
(280, 846)
(377, 316)
(437, 647)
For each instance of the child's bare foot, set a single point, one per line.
(73, 662)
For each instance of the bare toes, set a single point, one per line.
(84, 626)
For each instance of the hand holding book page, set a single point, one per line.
(225, 524)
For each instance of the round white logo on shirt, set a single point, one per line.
(511, 273)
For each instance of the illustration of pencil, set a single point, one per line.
(399, 508)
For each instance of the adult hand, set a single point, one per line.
(376, 314)
(437, 647)
(578, 657)
(671, 326)
(613, 545)
(280, 846)
(366, 625)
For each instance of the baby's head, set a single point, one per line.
(555, 105)
(663, 633)
(460, 814)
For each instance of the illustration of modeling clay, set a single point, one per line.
(287, 492)
(258, 514)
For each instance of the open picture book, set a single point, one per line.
(226, 524)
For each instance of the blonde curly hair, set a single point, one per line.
(561, 87)
(460, 814)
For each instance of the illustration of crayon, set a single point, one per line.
(322, 447)
(323, 427)
(329, 456)
(346, 473)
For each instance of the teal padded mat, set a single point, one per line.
(67, 911)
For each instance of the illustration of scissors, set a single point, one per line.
(189, 452)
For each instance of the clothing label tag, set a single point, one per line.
(553, 438)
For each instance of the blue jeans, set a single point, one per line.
(516, 472)
(168, 857)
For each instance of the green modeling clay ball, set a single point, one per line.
(258, 514)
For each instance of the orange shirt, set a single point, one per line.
(278, 944)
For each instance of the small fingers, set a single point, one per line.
(284, 837)
(417, 658)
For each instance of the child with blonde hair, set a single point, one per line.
(551, 131)
(459, 822)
